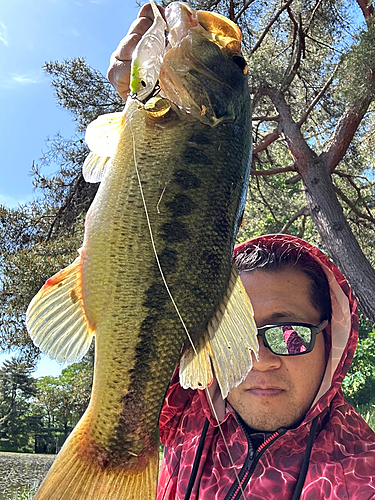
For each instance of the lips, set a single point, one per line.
(265, 392)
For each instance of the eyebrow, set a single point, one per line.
(290, 315)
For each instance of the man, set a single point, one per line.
(288, 429)
(285, 432)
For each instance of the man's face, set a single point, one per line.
(279, 390)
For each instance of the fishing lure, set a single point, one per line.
(147, 58)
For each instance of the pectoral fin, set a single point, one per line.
(102, 136)
(227, 344)
(94, 168)
(56, 318)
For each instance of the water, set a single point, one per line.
(18, 470)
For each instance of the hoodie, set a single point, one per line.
(330, 455)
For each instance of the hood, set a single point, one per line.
(344, 324)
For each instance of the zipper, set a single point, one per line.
(248, 468)
(268, 440)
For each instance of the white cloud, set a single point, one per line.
(25, 79)
(14, 80)
(4, 34)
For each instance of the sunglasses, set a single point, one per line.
(290, 339)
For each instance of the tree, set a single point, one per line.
(311, 75)
(16, 389)
(60, 402)
(315, 95)
(41, 237)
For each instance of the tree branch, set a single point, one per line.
(265, 201)
(352, 206)
(304, 211)
(266, 118)
(367, 8)
(301, 153)
(65, 205)
(303, 226)
(269, 26)
(338, 143)
(231, 10)
(272, 171)
(350, 180)
(242, 10)
(297, 50)
(308, 24)
(266, 141)
(318, 97)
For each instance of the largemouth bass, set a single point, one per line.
(158, 240)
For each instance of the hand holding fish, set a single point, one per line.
(120, 63)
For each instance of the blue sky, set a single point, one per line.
(31, 33)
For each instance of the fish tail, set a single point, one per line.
(75, 477)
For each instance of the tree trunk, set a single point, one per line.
(336, 234)
(326, 210)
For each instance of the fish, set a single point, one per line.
(154, 280)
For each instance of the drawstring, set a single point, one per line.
(302, 476)
(197, 459)
(306, 459)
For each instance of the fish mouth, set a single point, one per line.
(181, 18)
(198, 74)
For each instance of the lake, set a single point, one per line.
(18, 470)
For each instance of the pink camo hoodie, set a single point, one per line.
(342, 460)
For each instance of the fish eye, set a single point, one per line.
(143, 83)
(240, 61)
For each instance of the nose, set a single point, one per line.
(267, 360)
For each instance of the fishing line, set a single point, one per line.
(178, 312)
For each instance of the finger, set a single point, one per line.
(126, 46)
(118, 72)
(119, 76)
(146, 11)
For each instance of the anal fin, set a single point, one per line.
(228, 343)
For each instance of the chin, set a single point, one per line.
(270, 424)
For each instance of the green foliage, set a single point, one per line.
(367, 412)
(26, 493)
(17, 387)
(359, 383)
(359, 63)
(60, 402)
(320, 56)
(82, 90)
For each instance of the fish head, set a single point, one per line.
(203, 72)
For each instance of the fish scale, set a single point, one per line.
(156, 304)
(193, 168)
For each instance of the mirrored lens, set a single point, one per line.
(288, 339)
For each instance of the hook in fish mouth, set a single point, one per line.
(154, 93)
